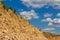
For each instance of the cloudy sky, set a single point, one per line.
(44, 14)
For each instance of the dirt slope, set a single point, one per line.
(51, 36)
(14, 27)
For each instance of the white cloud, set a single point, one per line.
(35, 3)
(48, 29)
(47, 15)
(47, 20)
(41, 3)
(51, 30)
(56, 6)
(57, 0)
(58, 14)
(56, 20)
(29, 15)
(52, 22)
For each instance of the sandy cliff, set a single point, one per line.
(14, 27)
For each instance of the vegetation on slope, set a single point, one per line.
(51, 36)
(6, 7)
(45, 33)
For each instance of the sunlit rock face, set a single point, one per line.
(14, 27)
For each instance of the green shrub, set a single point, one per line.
(4, 6)
(10, 8)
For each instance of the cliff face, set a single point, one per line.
(14, 27)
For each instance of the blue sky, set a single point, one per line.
(44, 14)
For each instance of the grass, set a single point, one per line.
(6, 7)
